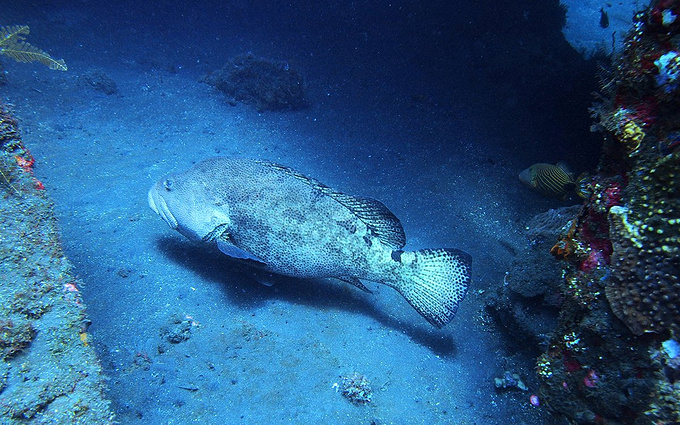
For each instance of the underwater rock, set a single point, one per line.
(510, 381)
(49, 372)
(15, 337)
(357, 389)
(98, 80)
(179, 330)
(525, 304)
(268, 85)
(591, 28)
(548, 225)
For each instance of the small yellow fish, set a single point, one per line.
(555, 181)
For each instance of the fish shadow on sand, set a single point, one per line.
(240, 284)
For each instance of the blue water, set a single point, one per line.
(429, 107)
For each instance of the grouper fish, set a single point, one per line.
(287, 223)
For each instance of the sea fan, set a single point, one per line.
(12, 44)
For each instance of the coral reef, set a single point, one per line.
(642, 112)
(268, 85)
(622, 251)
(613, 356)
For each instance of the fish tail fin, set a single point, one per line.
(434, 281)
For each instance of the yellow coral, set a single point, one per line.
(543, 367)
(631, 136)
(12, 44)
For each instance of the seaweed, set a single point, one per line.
(13, 45)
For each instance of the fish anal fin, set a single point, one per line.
(356, 282)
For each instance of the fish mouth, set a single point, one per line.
(525, 177)
(160, 207)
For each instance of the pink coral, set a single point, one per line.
(591, 379)
(612, 195)
(595, 259)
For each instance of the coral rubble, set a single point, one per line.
(357, 389)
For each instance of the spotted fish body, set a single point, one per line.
(294, 225)
(555, 181)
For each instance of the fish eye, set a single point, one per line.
(167, 184)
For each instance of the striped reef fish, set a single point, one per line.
(555, 181)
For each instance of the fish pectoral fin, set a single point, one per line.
(233, 251)
(356, 282)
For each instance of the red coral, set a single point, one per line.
(570, 364)
(612, 195)
(645, 111)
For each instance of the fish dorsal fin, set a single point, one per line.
(376, 216)
(565, 167)
(382, 223)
